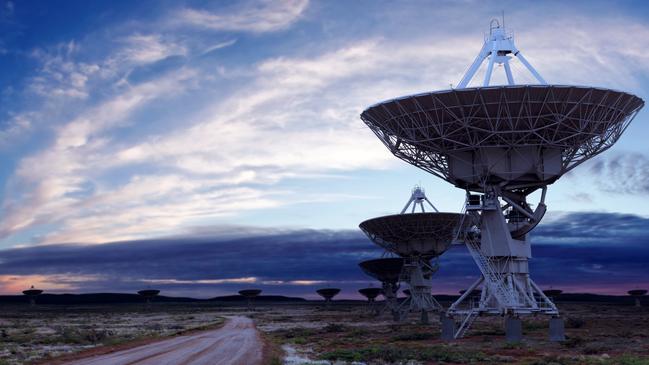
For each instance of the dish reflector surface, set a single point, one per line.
(513, 136)
(416, 234)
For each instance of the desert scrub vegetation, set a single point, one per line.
(45, 332)
(439, 353)
(416, 336)
(589, 360)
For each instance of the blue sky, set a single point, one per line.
(125, 121)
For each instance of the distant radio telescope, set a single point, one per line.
(419, 238)
(32, 293)
(552, 293)
(637, 294)
(388, 272)
(148, 295)
(250, 294)
(371, 294)
(501, 144)
(328, 294)
(474, 292)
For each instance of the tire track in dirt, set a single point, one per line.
(236, 343)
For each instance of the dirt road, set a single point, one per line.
(236, 343)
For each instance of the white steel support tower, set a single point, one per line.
(502, 144)
(388, 271)
(390, 291)
(498, 48)
(418, 238)
(418, 271)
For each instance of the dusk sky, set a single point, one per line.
(202, 147)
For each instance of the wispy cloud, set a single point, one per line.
(250, 16)
(137, 157)
(148, 48)
(622, 173)
(60, 75)
(46, 194)
(218, 46)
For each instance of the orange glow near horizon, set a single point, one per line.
(15, 284)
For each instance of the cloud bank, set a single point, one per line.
(602, 253)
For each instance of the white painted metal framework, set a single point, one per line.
(387, 271)
(497, 48)
(419, 238)
(503, 143)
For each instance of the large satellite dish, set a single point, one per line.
(502, 143)
(328, 294)
(250, 295)
(514, 136)
(388, 272)
(148, 295)
(417, 234)
(385, 270)
(417, 237)
(32, 293)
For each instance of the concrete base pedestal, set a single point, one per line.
(448, 328)
(557, 332)
(396, 316)
(424, 317)
(513, 329)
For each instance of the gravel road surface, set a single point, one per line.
(236, 343)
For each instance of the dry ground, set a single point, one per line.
(237, 342)
(36, 335)
(596, 334)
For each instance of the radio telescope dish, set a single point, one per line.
(515, 136)
(370, 293)
(418, 237)
(387, 271)
(637, 294)
(32, 293)
(148, 295)
(551, 293)
(504, 143)
(419, 234)
(328, 294)
(250, 294)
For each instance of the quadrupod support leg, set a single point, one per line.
(448, 328)
(501, 249)
(451, 330)
(419, 301)
(418, 274)
(468, 307)
(391, 304)
(557, 329)
(513, 329)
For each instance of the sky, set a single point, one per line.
(204, 146)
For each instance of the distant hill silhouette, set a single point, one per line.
(261, 299)
(121, 298)
(573, 297)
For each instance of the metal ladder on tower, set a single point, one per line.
(494, 280)
(466, 323)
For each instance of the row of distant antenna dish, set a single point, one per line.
(500, 144)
